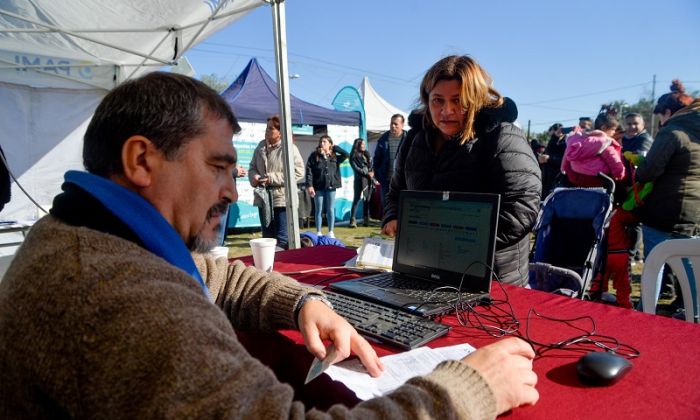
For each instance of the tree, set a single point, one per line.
(215, 82)
(643, 106)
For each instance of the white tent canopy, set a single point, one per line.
(59, 58)
(100, 43)
(378, 111)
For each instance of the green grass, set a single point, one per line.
(237, 241)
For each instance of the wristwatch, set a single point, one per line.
(307, 297)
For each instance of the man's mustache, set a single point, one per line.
(217, 209)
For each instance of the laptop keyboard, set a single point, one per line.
(385, 324)
(419, 290)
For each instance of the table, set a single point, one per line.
(664, 382)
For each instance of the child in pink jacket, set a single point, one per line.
(588, 154)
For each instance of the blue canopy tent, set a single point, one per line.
(253, 98)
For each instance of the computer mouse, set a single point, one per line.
(602, 368)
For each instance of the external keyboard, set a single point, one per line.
(385, 324)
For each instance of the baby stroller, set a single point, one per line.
(570, 242)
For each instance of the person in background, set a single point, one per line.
(105, 312)
(538, 149)
(5, 181)
(364, 181)
(469, 143)
(385, 153)
(590, 153)
(670, 211)
(584, 125)
(238, 172)
(638, 141)
(323, 178)
(552, 157)
(267, 172)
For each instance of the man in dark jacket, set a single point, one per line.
(637, 141)
(385, 153)
(499, 160)
(636, 138)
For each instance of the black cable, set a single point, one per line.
(4, 161)
(498, 319)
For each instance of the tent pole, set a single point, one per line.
(292, 199)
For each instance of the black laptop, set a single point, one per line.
(439, 236)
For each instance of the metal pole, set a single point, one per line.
(653, 98)
(292, 199)
(528, 130)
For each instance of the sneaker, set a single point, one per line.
(353, 223)
(679, 314)
(331, 234)
(319, 233)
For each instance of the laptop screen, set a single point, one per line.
(442, 233)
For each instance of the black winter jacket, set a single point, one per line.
(673, 164)
(637, 144)
(323, 173)
(499, 160)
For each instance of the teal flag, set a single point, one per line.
(349, 99)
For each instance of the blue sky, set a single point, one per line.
(557, 59)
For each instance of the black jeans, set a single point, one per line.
(361, 185)
(278, 227)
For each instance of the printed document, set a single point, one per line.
(398, 368)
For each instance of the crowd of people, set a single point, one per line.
(113, 305)
(657, 180)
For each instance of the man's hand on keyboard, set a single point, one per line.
(318, 322)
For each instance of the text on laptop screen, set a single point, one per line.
(448, 235)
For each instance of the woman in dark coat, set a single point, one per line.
(469, 144)
(364, 180)
(323, 178)
(672, 209)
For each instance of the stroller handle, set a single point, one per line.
(609, 183)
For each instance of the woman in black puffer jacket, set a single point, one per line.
(470, 144)
(323, 178)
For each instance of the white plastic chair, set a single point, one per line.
(672, 252)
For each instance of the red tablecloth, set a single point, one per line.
(664, 382)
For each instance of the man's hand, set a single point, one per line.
(311, 191)
(507, 367)
(241, 171)
(389, 229)
(318, 322)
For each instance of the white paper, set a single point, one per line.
(398, 368)
(376, 252)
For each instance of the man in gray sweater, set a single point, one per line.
(104, 311)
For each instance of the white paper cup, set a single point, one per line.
(219, 252)
(263, 253)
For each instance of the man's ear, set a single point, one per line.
(139, 158)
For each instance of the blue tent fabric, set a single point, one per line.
(253, 98)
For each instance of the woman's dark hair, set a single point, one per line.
(606, 119)
(167, 108)
(674, 100)
(356, 149)
(555, 127)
